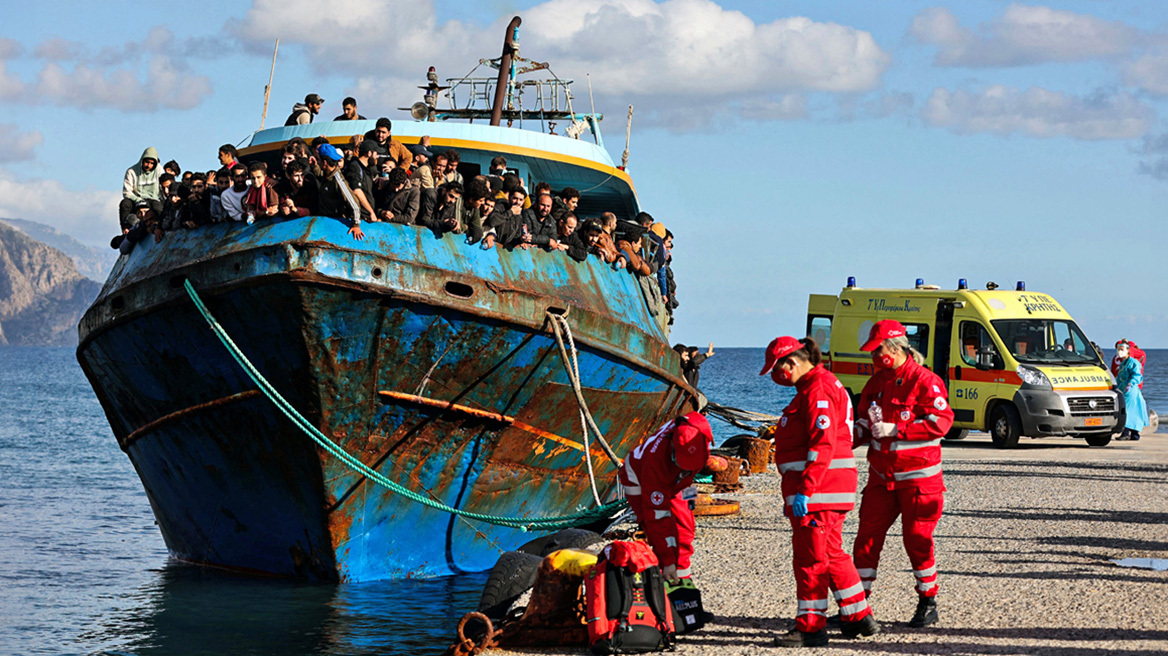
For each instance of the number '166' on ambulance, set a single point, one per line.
(1015, 362)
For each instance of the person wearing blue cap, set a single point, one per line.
(336, 199)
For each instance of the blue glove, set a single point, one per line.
(799, 505)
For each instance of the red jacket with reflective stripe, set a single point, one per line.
(915, 399)
(650, 472)
(813, 444)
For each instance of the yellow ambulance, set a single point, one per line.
(1015, 362)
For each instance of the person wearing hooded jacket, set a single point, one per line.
(813, 453)
(1129, 377)
(1135, 352)
(140, 183)
(904, 413)
(653, 477)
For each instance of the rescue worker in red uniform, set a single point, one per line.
(904, 412)
(653, 477)
(813, 452)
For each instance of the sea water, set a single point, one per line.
(83, 569)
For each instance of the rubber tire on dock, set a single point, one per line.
(512, 575)
(735, 442)
(570, 538)
(1098, 439)
(956, 434)
(1005, 426)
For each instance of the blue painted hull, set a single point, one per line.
(332, 322)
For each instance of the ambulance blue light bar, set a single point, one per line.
(962, 283)
(920, 282)
(1021, 286)
(851, 281)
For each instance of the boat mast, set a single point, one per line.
(503, 83)
(268, 89)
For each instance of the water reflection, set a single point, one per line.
(194, 611)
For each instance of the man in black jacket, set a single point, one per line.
(396, 199)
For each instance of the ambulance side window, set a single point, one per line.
(820, 330)
(974, 339)
(918, 337)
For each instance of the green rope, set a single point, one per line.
(542, 523)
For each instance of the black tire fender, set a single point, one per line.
(512, 575)
(570, 538)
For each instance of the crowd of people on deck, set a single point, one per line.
(376, 178)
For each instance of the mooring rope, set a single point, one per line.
(523, 524)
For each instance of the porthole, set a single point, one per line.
(459, 289)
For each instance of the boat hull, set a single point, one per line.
(467, 405)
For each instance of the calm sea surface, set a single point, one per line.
(83, 569)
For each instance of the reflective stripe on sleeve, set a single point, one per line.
(800, 465)
(631, 474)
(849, 497)
(682, 573)
(821, 404)
(633, 490)
(905, 445)
(661, 514)
(932, 418)
(917, 473)
(671, 541)
(849, 592)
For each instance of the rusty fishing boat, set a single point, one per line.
(432, 364)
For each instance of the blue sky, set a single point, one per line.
(788, 145)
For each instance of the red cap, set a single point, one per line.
(882, 330)
(779, 348)
(691, 448)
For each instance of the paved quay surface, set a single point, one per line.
(1024, 550)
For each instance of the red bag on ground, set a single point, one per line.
(624, 594)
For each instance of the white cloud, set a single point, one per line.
(165, 86)
(10, 49)
(1037, 112)
(1023, 35)
(16, 146)
(90, 216)
(1148, 72)
(139, 76)
(670, 58)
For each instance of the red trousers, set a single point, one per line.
(821, 564)
(682, 517)
(919, 513)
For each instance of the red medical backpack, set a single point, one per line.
(628, 611)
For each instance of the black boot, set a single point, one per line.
(926, 613)
(865, 627)
(796, 638)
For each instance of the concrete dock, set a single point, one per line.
(1025, 551)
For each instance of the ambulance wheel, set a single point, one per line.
(955, 434)
(1005, 426)
(571, 538)
(1098, 439)
(511, 576)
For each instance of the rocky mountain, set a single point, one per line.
(91, 262)
(42, 295)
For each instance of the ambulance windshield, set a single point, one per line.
(1046, 341)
